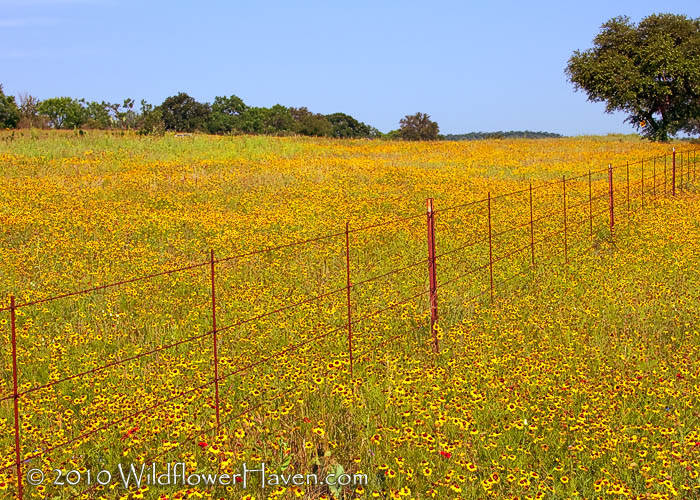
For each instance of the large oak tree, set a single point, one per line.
(650, 71)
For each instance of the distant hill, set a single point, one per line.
(511, 134)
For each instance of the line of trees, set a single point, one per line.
(510, 134)
(226, 115)
(182, 113)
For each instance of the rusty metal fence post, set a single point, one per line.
(490, 248)
(432, 274)
(610, 201)
(566, 246)
(215, 338)
(628, 188)
(349, 307)
(642, 184)
(532, 231)
(673, 173)
(590, 204)
(15, 397)
(687, 177)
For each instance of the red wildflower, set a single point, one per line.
(202, 444)
(446, 454)
(130, 432)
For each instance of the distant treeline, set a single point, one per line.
(183, 113)
(225, 115)
(511, 134)
(180, 113)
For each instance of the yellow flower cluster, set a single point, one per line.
(579, 380)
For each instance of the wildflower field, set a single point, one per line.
(568, 359)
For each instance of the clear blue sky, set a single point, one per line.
(473, 66)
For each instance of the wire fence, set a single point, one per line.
(452, 258)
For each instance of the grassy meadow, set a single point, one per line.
(579, 380)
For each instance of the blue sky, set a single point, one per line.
(473, 66)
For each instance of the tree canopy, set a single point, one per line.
(650, 71)
(63, 112)
(418, 127)
(225, 114)
(183, 113)
(345, 126)
(9, 112)
(510, 134)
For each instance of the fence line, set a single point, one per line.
(649, 185)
